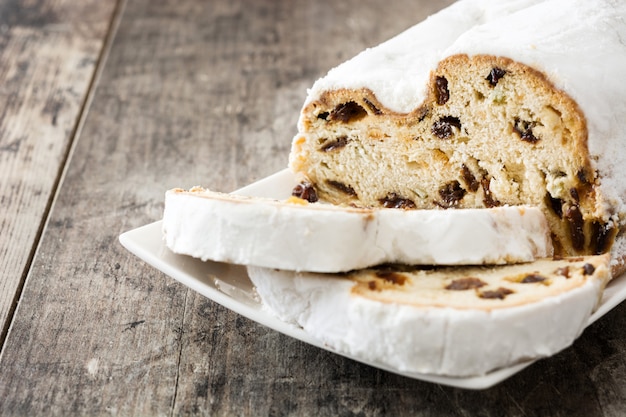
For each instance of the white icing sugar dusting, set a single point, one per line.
(398, 69)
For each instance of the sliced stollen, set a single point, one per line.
(456, 321)
(486, 103)
(297, 235)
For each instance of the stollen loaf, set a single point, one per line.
(486, 103)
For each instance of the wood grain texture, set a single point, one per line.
(208, 93)
(48, 54)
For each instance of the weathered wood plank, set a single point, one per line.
(208, 93)
(48, 53)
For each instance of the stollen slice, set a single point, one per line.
(455, 321)
(300, 236)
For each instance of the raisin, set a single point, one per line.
(305, 191)
(441, 91)
(372, 285)
(463, 284)
(338, 143)
(323, 115)
(451, 194)
(499, 294)
(575, 220)
(525, 130)
(469, 179)
(392, 276)
(582, 176)
(563, 271)
(495, 75)
(393, 200)
(347, 112)
(574, 193)
(556, 204)
(601, 234)
(442, 128)
(372, 107)
(488, 199)
(588, 269)
(346, 189)
(532, 278)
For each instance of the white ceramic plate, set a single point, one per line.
(230, 286)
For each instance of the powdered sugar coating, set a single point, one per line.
(398, 69)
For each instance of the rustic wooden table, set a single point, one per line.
(105, 104)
